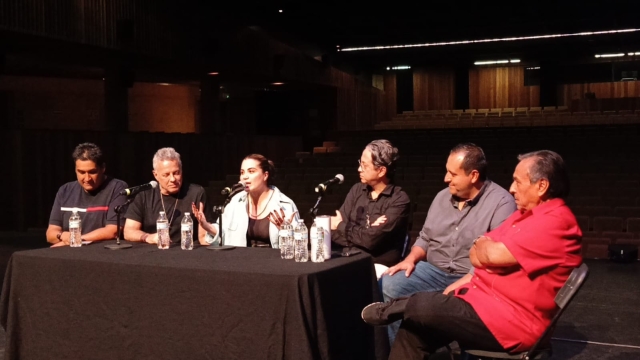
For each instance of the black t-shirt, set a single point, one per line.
(147, 205)
(99, 204)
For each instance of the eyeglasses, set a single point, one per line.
(365, 166)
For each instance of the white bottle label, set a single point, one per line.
(74, 224)
(186, 227)
(283, 233)
(162, 226)
(298, 236)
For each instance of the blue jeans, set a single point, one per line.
(425, 277)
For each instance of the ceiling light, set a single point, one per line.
(400, 67)
(277, 83)
(164, 84)
(514, 61)
(279, 11)
(514, 38)
(609, 55)
(491, 62)
(213, 73)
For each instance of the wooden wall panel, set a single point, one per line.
(433, 89)
(79, 104)
(359, 105)
(55, 103)
(155, 25)
(500, 87)
(608, 90)
(390, 94)
(160, 108)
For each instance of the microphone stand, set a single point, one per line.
(119, 209)
(219, 210)
(314, 209)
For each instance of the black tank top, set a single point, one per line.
(258, 233)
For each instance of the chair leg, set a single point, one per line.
(450, 352)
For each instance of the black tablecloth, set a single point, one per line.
(146, 303)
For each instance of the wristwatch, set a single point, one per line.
(209, 239)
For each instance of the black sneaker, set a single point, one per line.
(379, 313)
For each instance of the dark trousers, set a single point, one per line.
(433, 320)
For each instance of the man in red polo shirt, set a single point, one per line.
(519, 268)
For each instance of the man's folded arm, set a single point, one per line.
(374, 236)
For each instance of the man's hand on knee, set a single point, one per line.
(407, 265)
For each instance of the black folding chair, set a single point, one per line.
(542, 348)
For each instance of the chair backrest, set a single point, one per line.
(571, 287)
(563, 298)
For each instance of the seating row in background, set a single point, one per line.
(483, 112)
(576, 143)
(598, 247)
(501, 112)
(461, 121)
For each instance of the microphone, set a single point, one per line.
(228, 190)
(337, 179)
(136, 189)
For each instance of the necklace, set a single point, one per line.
(263, 209)
(165, 211)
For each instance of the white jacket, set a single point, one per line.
(235, 220)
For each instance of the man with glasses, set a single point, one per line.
(374, 215)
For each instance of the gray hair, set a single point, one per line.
(166, 154)
(549, 165)
(383, 153)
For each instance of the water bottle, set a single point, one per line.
(75, 230)
(313, 240)
(162, 225)
(285, 240)
(282, 240)
(289, 250)
(301, 243)
(319, 255)
(186, 227)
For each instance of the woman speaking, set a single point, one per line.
(254, 216)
